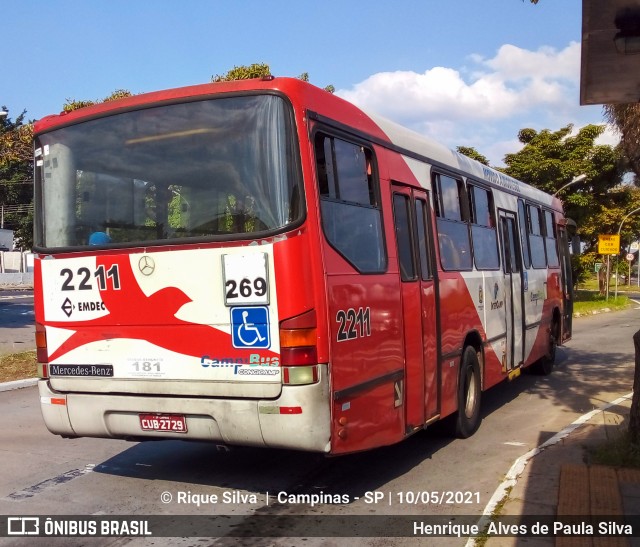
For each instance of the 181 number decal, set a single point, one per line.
(352, 324)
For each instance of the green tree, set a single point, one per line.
(472, 153)
(16, 176)
(244, 72)
(72, 104)
(626, 119)
(551, 159)
(256, 70)
(16, 170)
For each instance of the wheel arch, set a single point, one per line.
(474, 340)
(556, 323)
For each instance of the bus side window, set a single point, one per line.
(403, 237)
(536, 239)
(450, 197)
(550, 240)
(451, 222)
(422, 229)
(349, 205)
(324, 166)
(524, 237)
(483, 229)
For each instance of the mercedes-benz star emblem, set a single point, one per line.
(146, 265)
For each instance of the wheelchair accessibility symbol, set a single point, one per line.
(250, 327)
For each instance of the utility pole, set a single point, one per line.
(619, 230)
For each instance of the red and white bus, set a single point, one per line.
(262, 263)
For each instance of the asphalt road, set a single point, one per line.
(16, 321)
(43, 474)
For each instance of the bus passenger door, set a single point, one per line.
(413, 239)
(566, 283)
(514, 312)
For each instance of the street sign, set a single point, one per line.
(608, 244)
(598, 266)
(630, 257)
(634, 246)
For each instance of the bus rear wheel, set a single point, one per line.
(544, 366)
(469, 390)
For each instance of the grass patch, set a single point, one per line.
(18, 366)
(481, 539)
(616, 452)
(586, 301)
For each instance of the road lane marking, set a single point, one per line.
(32, 491)
(23, 296)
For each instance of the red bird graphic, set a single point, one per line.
(132, 314)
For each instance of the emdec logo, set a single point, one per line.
(67, 307)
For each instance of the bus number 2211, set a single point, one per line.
(353, 324)
(85, 278)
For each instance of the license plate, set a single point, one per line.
(175, 423)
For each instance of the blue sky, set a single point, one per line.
(466, 72)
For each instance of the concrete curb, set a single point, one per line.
(16, 279)
(517, 469)
(18, 287)
(18, 384)
(593, 312)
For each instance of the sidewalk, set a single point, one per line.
(560, 481)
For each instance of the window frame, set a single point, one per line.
(512, 264)
(523, 225)
(550, 241)
(536, 240)
(449, 251)
(177, 234)
(425, 226)
(472, 187)
(410, 237)
(330, 134)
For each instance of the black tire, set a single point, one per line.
(544, 366)
(467, 419)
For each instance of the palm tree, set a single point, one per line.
(626, 119)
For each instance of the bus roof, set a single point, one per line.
(421, 146)
(386, 132)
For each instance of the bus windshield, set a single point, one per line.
(217, 168)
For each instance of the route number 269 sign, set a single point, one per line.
(246, 279)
